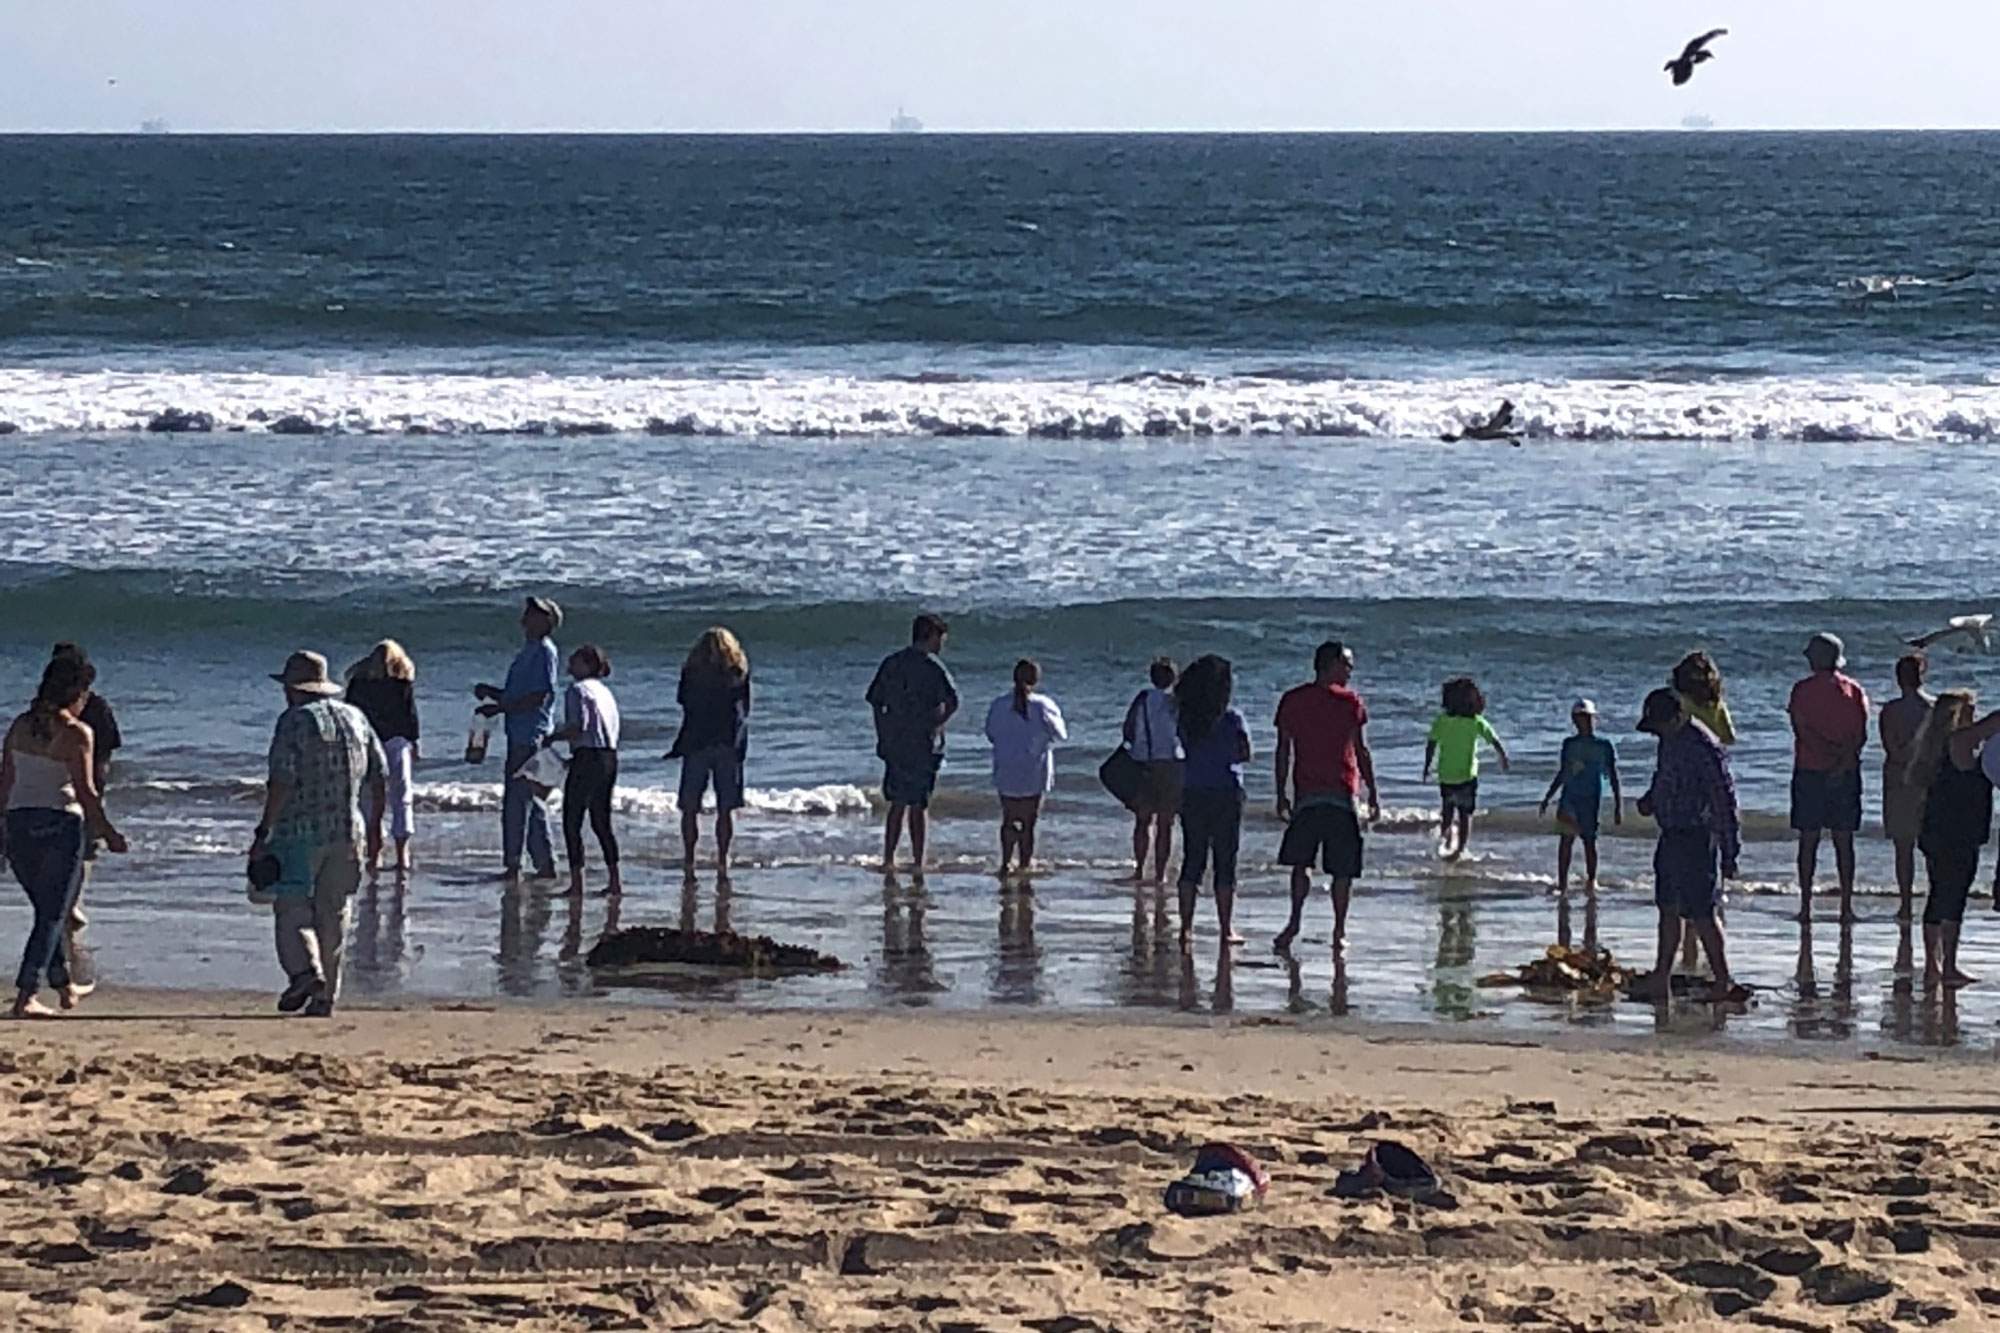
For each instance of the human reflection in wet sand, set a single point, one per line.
(1295, 988)
(1906, 961)
(905, 972)
(1147, 975)
(1017, 967)
(1457, 938)
(1834, 1019)
(725, 894)
(377, 952)
(1564, 934)
(524, 919)
(1225, 982)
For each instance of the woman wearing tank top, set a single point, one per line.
(48, 787)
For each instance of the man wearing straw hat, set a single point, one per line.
(307, 850)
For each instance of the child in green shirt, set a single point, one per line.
(1454, 748)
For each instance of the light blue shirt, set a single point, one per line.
(533, 672)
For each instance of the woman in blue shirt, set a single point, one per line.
(1217, 744)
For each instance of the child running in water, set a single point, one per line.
(1587, 761)
(1454, 748)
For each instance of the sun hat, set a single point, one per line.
(1583, 708)
(1821, 646)
(547, 606)
(306, 672)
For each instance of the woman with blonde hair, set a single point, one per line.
(1958, 814)
(714, 740)
(383, 685)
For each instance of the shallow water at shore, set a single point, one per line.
(1076, 939)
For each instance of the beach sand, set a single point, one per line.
(171, 1163)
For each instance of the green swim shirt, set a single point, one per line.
(1457, 740)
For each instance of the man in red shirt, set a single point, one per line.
(1323, 758)
(1829, 727)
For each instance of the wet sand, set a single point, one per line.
(187, 1161)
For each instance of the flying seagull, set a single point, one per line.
(1966, 633)
(1682, 67)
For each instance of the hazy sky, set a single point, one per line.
(990, 64)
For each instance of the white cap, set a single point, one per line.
(1583, 708)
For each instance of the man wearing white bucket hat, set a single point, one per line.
(306, 855)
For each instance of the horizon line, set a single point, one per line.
(930, 132)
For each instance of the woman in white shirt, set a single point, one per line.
(590, 725)
(1025, 727)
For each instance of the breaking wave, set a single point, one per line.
(1169, 404)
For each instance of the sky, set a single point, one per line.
(763, 65)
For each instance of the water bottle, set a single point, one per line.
(476, 739)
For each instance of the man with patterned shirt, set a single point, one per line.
(324, 758)
(1693, 799)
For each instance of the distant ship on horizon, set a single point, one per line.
(904, 124)
(154, 125)
(1697, 121)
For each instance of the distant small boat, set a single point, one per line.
(154, 126)
(902, 124)
(1697, 121)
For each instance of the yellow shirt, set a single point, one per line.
(1714, 716)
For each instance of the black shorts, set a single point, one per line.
(1830, 801)
(1330, 833)
(911, 782)
(1460, 796)
(1687, 874)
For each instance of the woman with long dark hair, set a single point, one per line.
(48, 785)
(1025, 726)
(1217, 744)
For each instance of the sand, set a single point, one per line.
(172, 1164)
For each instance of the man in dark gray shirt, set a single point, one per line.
(913, 697)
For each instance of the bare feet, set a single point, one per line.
(1932, 978)
(74, 993)
(1956, 978)
(1283, 944)
(27, 1006)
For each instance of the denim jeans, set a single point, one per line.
(524, 817)
(45, 848)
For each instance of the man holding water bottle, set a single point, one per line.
(527, 706)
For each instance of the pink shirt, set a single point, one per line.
(1829, 723)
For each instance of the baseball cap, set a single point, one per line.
(1583, 708)
(1826, 648)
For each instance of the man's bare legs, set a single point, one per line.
(892, 834)
(1843, 860)
(690, 840)
(725, 833)
(1565, 851)
(1343, 893)
(1808, 868)
(1906, 876)
(1659, 986)
(1709, 928)
(1302, 885)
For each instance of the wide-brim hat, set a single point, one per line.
(306, 672)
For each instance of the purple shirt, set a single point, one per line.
(1212, 762)
(1692, 788)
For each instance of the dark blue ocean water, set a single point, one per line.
(1095, 397)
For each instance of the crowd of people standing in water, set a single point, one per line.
(338, 791)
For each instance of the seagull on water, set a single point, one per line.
(1965, 633)
(1696, 51)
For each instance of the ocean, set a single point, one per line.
(1094, 398)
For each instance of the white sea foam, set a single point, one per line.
(448, 797)
(1804, 408)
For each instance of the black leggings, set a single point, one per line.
(1952, 870)
(593, 775)
(1211, 828)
